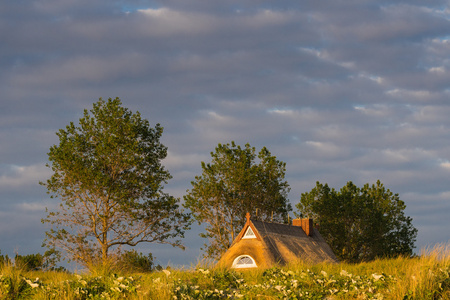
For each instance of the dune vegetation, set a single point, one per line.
(426, 276)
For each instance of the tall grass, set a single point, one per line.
(12, 284)
(426, 276)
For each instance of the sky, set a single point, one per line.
(338, 90)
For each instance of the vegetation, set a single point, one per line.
(424, 277)
(107, 172)
(32, 262)
(108, 175)
(233, 184)
(360, 224)
(134, 262)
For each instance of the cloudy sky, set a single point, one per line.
(339, 90)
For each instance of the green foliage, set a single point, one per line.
(360, 224)
(108, 174)
(77, 288)
(4, 260)
(279, 283)
(12, 288)
(235, 183)
(135, 262)
(30, 262)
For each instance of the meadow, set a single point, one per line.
(426, 276)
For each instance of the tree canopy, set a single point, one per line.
(360, 224)
(235, 183)
(107, 172)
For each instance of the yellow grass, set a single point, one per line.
(423, 277)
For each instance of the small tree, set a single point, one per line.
(233, 184)
(108, 174)
(360, 224)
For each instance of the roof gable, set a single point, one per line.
(246, 227)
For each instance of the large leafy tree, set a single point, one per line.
(237, 181)
(360, 224)
(108, 175)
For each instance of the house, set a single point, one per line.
(263, 244)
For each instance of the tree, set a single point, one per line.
(360, 224)
(233, 184)
(108, 174)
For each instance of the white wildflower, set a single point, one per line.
(32, 284)
(376, 276)
(167, 272)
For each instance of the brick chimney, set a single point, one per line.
(305, 224)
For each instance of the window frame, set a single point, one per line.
(244, 266)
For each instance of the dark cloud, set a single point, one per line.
(339, 90)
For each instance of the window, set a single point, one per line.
(244, 261)
(249, 234)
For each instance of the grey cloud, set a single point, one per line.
(353, 90)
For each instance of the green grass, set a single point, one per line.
(423, 277)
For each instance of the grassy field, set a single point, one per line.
(423, 277)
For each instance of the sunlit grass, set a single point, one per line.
(423, 277)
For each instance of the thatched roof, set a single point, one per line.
(275, 243)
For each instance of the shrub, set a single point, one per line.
(135, 262)
(4, 260)
(30, 262)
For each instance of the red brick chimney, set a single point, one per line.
(305, 224)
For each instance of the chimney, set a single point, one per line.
(305, 224)
(297, 222)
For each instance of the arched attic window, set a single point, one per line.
(244, 261)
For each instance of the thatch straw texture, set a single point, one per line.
(279, 244)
